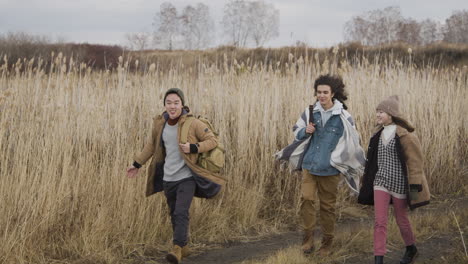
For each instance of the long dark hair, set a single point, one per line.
(403, 123)
(337, 87)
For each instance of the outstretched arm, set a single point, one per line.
(142, 157)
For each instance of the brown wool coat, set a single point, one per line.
(198, 133)
(412, 159)
(415, 165)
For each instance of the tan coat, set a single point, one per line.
(411, 157)
(154, 147)
(414, 159)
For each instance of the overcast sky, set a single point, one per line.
(317, 23)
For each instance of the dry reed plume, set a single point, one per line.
(67, 137)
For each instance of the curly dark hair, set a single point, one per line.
(336, 84)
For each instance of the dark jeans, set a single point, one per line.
(179, 197)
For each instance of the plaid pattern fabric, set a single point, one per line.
(348, 157)
(390, 173)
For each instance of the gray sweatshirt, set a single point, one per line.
(175, 168)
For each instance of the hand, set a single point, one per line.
(185, 147)
(132, 172)
(310, 129)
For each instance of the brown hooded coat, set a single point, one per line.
(208, 183)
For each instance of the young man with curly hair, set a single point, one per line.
(323, 126)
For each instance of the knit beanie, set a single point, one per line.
(175, 91)
(390, 106)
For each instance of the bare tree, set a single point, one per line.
(197, 26)
(235, 22)
(375, 27)
(456, 27)
(167, 25)
(385, 24)
(244, 21)
(264, 22)
(61, 39)
(20, 37)
(138, 40)
(356, 30)
(431, 31)
(409, 31)
(19, 45)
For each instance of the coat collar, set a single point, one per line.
(185, 113)
(400, 131)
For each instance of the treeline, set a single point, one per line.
(388, 25)
(254, 23)
(438, 55)
(193, 27)
(100, 57)
(21, 46)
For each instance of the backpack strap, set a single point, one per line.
(185, 129)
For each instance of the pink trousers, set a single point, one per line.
(381, 204)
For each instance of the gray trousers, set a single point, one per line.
(179, 196)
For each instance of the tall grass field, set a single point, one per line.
(67, 134)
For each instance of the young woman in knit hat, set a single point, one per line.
(173, 167)
(394, 173)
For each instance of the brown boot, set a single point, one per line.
(308, 242)
(325, 249)
(186, 251)
(175, 256)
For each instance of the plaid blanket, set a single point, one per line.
(348, 156)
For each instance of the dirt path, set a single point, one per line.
(262, 248)
(238, 252)
(434, 250)
(431, 251)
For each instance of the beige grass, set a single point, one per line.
(67, 137)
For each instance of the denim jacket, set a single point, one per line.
(324, 140)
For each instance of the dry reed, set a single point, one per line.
(66, 138)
